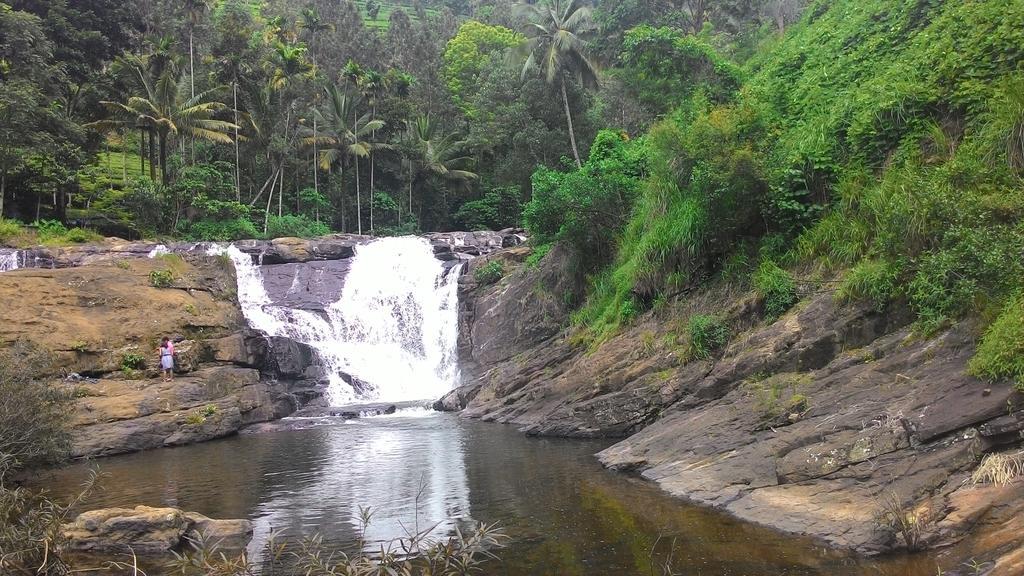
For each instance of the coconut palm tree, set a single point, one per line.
(194, 10)
(160, 109)
(434, 156)
(555, 31)
(344, 137)
(314, 25)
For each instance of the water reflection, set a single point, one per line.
(566, 515)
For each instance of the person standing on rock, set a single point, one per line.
(167, 358)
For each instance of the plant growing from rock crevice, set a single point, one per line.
(908, 523)
(707, 335)
(489, 273)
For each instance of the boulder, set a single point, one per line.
(148, 531)
(457, 399)
(349, 412)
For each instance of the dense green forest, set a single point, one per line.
(222, 119)
(873, 146)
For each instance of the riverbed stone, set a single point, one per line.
(148, 531)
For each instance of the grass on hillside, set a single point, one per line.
(383, 19)
(884, 137)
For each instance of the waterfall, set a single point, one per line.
(158, 250)
(9, 261)
(394, 327)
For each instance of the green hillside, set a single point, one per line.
(883, 137)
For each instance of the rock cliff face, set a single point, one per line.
(809, 424)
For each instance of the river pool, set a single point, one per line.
(565, 514)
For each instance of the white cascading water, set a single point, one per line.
(395, 326)
(9, 261)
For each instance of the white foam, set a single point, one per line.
(9, 261)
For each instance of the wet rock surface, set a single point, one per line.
(808, 424)
(149, 531)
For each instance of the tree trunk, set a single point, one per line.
(359, 202)
(163, 158)
(142, 152)
(316, 170)
(280, 190)
(152, 156)
(191, 63)
(3, 191)
(371, 193)
(410, 189)
(316, 102)
(266, 213)
(192, 84)
(374, 137)
(124, 161)
(568, 118)
(238, 174)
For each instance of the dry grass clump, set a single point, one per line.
(999, 469)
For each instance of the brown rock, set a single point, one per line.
(150, 531)
(143, 530)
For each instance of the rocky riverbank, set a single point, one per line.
(99, 311)
(101, 323)
(820, 423)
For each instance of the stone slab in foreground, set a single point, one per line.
(149, 531)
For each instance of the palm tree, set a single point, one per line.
(434, 155)
(372, 85)
(160, 110)
(342, 140)
(289, 65)
(314, 25)
(194, 10)
(555, 31)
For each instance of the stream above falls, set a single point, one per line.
(565, 514)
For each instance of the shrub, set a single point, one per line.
(52, 232)
(873, 280)
(538, 254)
(34, 411)
(161, 278)
(132, 361)
(1001, 352)
(49, 230)
(707, 334)
(588, 208)
(9, 230)
(30, 527)
(291, 225)
(776, 288)
(489, 273)
(81, 236)
(240, 228)
(500, 207)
